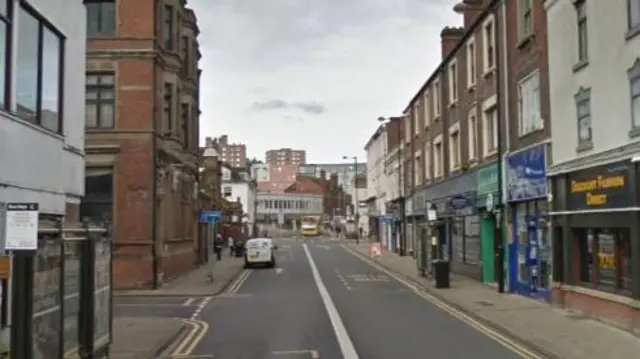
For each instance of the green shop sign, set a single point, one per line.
(486, 182)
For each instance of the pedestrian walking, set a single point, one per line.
(231, 244)
(217, 246)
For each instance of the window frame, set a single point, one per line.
(99, 102)
(472, 134)
(100, 4)
(582, 25)
(452, 71)
(471, 63)
(168, 106)
(583, 97)
(87, 200)
(527, 89)
(427, 161)
(44, 25)
(425, 109)
(489, 46)
(436, 100)
(438, 157)
(489, 115)
(523, 13)
(455, 144)
(168, 27)
(6, 20)
(185, 115)
(634, 76)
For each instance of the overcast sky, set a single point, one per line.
(313, 74)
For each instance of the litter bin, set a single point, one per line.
(441, 271)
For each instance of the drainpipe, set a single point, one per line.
(155, 265)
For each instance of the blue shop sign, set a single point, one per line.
(527, 174)
(210, 217)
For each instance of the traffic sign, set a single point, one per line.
(210, 217)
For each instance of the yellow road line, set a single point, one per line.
(239, 282)
(191, 341)
(515, 347)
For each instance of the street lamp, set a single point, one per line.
(356, 206)
(497, 209)
(403, 242)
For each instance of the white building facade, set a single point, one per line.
(594, 84)
(378, 193)
(236, 186)
(42, 117)
(288, 208)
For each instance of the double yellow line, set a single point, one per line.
(191, 340)
(237, 284)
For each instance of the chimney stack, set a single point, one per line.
(450, 36)
(470, 10)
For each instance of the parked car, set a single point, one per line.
(260, 251)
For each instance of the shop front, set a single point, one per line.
(529, 244)
(596, 242)
(487, 198)
(457, 224)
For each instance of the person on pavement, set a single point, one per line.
(231, 244)
(217, 246)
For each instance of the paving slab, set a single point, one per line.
(144, 338)
(207, 280)
(550, 330)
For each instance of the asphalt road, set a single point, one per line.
(323, 302)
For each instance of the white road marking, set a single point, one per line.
(323, 246)
(201, 306)
(314, 353)
(279, 270)
(346, 345)
(188, 302)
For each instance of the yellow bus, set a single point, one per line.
(310, 226)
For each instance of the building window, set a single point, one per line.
(227, 191)
(184, 124)
(529, 116)
(438, 158)
(417, 170)
(416, 119)
(97, 203)
(490, 131)
(472, 128)
(101, 17)
(427, 161)
(168, 106)
(436, 99)
(407, 128)
(453, 82)
(471, 64)
(604, 257)
(39, 71)
(167, 28)
(425, 109)
(489, 54)
(100, 100)
(5, 53)
(454, 147)
(634, 81)
(583, 48)
(583, 111)
(634, 13)
(525, 18)
(186, 58)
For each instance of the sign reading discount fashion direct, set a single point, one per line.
(600, 187)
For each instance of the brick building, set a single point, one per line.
(280, 178)
(234, 154)
(142, 109)
(286, 156)
(450, 137)
(334, 199)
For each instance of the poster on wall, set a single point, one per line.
(102, 294)
(46, 301)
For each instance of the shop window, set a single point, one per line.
(97, 204)
(604, 259)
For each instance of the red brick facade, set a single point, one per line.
(154, 163)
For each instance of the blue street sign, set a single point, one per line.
(386, 218)
(210, 217)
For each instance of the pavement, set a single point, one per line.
(321, 301)
(554, 332)
(147, 338)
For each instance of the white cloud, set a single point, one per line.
(326, 70)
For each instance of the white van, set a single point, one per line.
(260, 251)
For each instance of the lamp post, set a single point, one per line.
(497, 209)
(402, 249)
(356, 206)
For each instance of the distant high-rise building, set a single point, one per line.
(286, 156)
(233, 154)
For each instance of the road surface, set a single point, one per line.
(323, 302)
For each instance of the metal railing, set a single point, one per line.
(61, 295)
